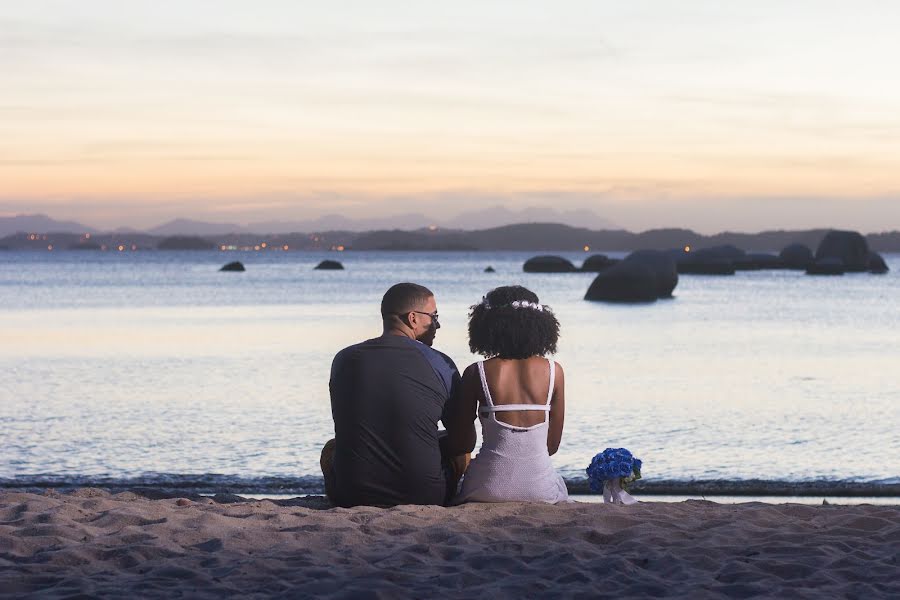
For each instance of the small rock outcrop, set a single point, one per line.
(628, 281)
(597, 262)
(849, 247)
(548, 264)
(329, 265)
(489, 269)
(826, 266)
(877, 264)
(663, 267)
(796, 256)
(759, 261)
(236, 267)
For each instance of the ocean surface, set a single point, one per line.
(154, 367)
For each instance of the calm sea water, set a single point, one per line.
(134, 364)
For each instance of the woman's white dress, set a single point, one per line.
(513, 464)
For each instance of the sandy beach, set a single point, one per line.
(92, 543)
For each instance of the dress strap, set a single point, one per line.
(508, 407)
(484, 385)
(552, 380)
(550, 391)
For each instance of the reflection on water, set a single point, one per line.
(156, 362)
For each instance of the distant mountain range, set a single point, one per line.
(480, 219)
(537, 237)
(40, 224)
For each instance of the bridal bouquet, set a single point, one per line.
(610, 471)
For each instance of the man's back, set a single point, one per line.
(386, 400)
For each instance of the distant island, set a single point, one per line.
(520, 237)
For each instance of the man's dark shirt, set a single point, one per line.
(387, 395)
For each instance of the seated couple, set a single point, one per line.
(388, 394)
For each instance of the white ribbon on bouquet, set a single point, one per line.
(614, 494)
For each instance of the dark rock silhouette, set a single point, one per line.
(877, 264)
(181, 242)
(826, 266)
(726, 252)
(235, 266)
(663, 267)
(489, 269)
(597, 262)
(796, 256)
(548, 264)
(717, 260)
(849, 247)
(628, 281)
(329, 265)
(762, 261)
(712, 266)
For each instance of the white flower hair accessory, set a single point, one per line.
(516, 304)
(526, 304)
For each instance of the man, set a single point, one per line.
(387, 395)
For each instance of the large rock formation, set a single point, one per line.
(329, 265)
(663, 267)
(849, 247)
(548, 264)
(707, 261)
(796, 256)
(826, 266)
(628, 281)
(597, 263)
(877, 264)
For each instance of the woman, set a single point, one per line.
(518, 395)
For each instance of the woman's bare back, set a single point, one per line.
(518, 381)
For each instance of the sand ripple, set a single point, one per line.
(90, 542)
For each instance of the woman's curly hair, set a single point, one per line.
(499, 328)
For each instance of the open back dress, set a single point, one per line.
(513, 464)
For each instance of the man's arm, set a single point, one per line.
(460, 413)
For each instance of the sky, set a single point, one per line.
(739, 115)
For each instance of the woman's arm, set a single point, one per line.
(557, 411)
(460, 417)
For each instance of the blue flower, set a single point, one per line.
(612, 463)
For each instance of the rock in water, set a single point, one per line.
(628, 281)
(663, 267)
(877, 264)
(548, 264)
(849, 247)
(235, 266)
(329, 265)
(489, 269)
(718, 260)
(796, 256)
(597, 263)
(826, 266)
(764, 261)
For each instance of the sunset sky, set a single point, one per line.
(704, 114)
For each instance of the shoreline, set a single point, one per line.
(209, 484)
(93, 543)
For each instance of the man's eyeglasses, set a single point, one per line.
(434, 315)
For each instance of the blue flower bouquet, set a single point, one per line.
(612, 470)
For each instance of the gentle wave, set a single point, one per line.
(167, 484)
